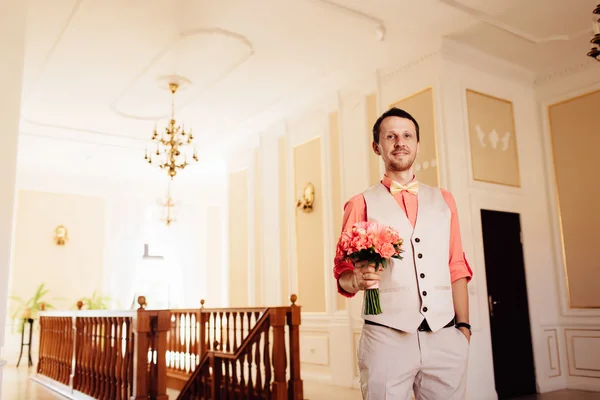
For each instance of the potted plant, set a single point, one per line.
(30, 308)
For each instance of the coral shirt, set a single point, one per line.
(355, 210)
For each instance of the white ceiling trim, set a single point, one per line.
(78, 130)
(481, 16)
(183, 35)
(72, 13)
(380, 26)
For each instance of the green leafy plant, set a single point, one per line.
(31, 307)
(96, 302)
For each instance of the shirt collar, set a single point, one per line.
(387, 181)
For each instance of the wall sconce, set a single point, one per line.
(61, 235)
(306, 201)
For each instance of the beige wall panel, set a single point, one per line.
(283, 223)
(583, 352)
(336, 185)
(37, 259)
(238, 239)
(492, 136)
(575, 143)
(258, 267)
(374, 160)
(214, 255)
(309, 228)
(420, 106)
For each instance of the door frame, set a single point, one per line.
(479, 312)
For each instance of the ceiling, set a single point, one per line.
(92, 91)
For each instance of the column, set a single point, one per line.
(12, 46)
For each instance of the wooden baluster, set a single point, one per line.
(267, 361)
(177, 348)
(128, 361)
(171, 340)
(227, 337)
(234, 379)
(248, 357)
(118, 353)
(278, 386)
(235, 332)
(202, 332)
(258, 364)
(221, 333)
(113, 357)
(213, 344)
(78, 354)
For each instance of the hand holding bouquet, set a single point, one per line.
(368, 243)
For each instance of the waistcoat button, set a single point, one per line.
(417, 240)
(422, 275)
(424, 309)
(424, 293)
(420, 255)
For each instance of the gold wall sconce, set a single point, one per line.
(61, 235)
(307, 199)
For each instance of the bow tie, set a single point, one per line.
(412, 187)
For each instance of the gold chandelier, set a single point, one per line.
(169, 218)
(172, 145)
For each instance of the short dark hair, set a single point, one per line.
(393, 112)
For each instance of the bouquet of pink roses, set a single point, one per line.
(373, 243)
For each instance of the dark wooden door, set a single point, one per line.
(508, 306)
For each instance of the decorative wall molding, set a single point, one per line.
(460, 53)
(583, 352)
(496, 22)
(430, 57)
(554, 369)
(565, 71)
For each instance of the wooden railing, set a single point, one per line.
(246, 355)
(104, 354)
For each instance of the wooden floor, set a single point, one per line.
(16, 385)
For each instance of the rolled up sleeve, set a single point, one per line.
(354, 211)
(459, 266)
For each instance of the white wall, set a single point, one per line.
(194, 242)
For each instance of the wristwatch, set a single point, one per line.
(463, 325)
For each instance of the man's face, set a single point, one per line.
(398, 145)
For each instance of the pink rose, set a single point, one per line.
(387, 250)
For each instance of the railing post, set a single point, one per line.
(142, 344)
(203, 320)
(278, 386)
(295, 386)
(162, 327)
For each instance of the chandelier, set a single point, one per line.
(172, 145)
(595, 52)
(169, 218)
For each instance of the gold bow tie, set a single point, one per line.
(412, 187)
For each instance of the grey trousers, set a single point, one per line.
(432, 364)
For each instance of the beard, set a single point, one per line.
(400, 165)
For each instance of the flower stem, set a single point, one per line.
(372, 303)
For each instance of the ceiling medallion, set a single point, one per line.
(595, 52)
(174, 144)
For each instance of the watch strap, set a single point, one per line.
(462, 325)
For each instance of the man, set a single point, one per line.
(421, 339)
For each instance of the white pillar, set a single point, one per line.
(12, 49)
